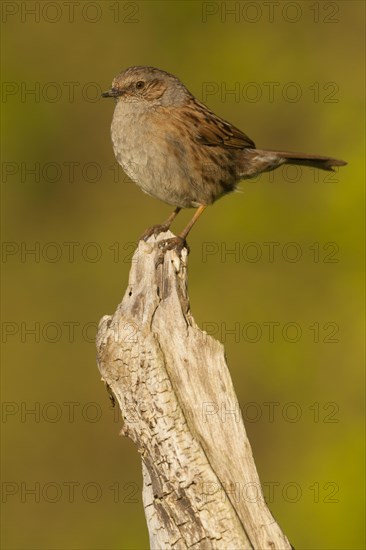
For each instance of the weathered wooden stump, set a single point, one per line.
(171, 381)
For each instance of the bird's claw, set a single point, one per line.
(154, 230)
(175, 243)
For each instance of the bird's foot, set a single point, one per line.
(175, 243)
(154, 230)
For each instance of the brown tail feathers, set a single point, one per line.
(255, 161)
(316, 161)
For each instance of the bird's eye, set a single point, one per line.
(140, 84)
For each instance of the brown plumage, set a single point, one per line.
(177, 150)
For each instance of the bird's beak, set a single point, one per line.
(113, 92)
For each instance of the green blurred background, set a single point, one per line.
(82, 218)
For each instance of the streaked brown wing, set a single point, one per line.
(214, 130)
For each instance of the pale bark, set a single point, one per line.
(171, 381)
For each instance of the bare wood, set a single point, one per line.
(200, 484)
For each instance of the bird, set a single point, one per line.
(179, 151)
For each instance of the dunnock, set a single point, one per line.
(179, 151)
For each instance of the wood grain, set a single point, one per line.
(171, 381)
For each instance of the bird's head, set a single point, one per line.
(148, 85)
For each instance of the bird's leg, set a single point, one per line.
(180, 241)
(160, 228)
(189, 226)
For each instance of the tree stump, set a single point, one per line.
(200, 485)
